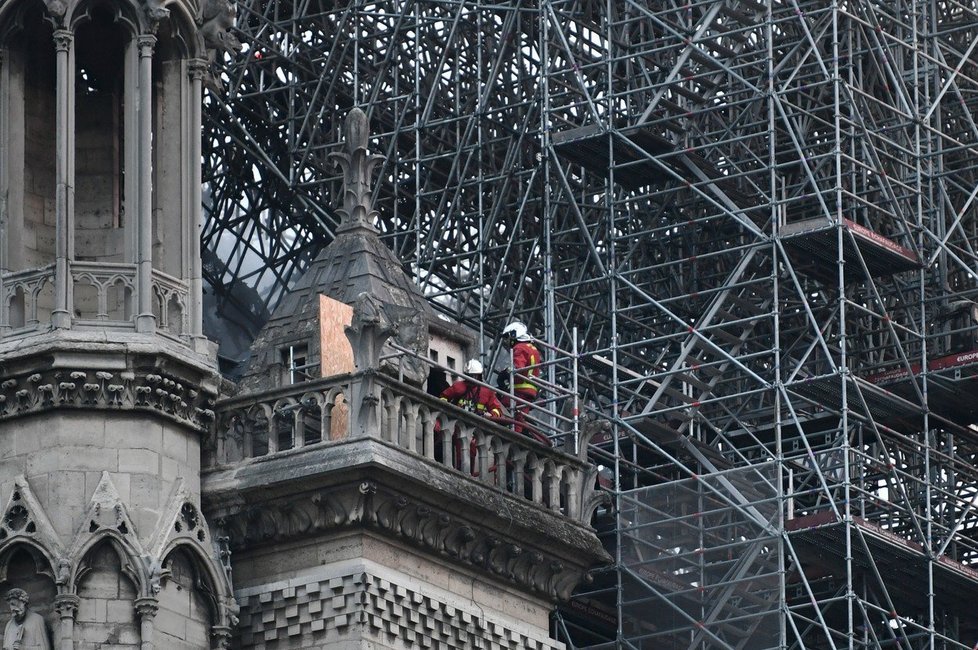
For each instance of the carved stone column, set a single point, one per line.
(196, 69)
(4, 182)
(146, 608)
(64, 138)
(145, 320)
(367, 333)
(66, 605)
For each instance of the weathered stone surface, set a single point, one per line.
(379, 594)
(366, 482)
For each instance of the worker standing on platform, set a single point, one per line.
(470, 394)
(473, 395)
(525, 371)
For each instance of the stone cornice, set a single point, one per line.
(478, 543)
(107, 377)
(105, 390)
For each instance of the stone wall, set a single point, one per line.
(38, 162)
(106, 611)
(357, 590)
(63, 455)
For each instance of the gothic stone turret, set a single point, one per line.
(354, 520)
(106, 383)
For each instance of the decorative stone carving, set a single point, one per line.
(24, 517)
(26, 629)
(106, 513)
(56, 8)
(64, 388)
(435, 530)
(181, 521)
(218, 18)
(409, 327)
(411, 333)
(370, 329)
(156, 13)
(358, 165)
(62, 37)
(374, 322)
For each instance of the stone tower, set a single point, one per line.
(106, 383)
(354, 517)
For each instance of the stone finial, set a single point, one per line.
(358, 165)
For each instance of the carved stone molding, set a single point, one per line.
(63, 39)
(147, 607)
(88, 389)
(437, 531)
(221, 634)
(24, 518)
(146, 44)
(196, 69)
(217, 20)
(66, 605)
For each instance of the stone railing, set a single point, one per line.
(102, 295)
(26, 299)
(171, 299)
(372, 404)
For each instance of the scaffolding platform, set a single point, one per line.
(820, 540)
(633, 150)
(813, 242)
(588, 147)
(864, 398)
(952, 385)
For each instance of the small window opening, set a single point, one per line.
(295, 364)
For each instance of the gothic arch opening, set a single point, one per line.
(101, 44)
(106, 614)
(171, 145)
(186, 609)
(23, 567)
(29, 77)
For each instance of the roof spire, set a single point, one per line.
(358, 165)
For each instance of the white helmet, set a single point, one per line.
(516, 330)
(473, 367)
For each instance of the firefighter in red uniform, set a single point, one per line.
(475, 398)
(526, 370)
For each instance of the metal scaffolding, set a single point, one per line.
(759, 217)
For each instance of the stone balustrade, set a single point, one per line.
(102, 295)
(26, 299)
(325, 412)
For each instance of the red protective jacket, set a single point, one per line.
(525, 355)
(476, 398)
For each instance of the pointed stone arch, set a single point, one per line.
(25, 521)
(184, 555)
(23, 565)
(107, 520)
(125, 12)
(108, 577)
(183, 524)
